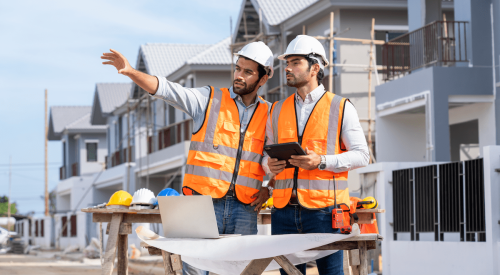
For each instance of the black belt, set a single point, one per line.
(230, 192)
(293, 200)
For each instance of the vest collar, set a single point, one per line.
(237, 97)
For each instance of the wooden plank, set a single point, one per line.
(355, 270)
(370, 210)
(166, 263)
(354, 257)
(110, 252)
(257, 267)
(365, 218)
(154, 251)
(122, 211)
(289, 268)
(125, 229)
(365, 237)
(128, 218)
(346, 246)
(376, 42)
(176, 262)
(363, 258)
(122, 265)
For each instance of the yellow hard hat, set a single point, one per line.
(120, 198)
(372, 205)
(270, 203)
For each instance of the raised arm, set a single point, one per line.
(148, 82)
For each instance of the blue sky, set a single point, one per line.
(56, 45)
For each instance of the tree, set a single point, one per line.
(4, 206)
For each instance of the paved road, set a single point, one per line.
(27, 264)
(11, 264)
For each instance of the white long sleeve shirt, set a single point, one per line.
(352, 135)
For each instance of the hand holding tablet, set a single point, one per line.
(284, 151)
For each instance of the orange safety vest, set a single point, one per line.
(314, 188)
(221, 155)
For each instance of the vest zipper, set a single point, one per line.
(240, 149)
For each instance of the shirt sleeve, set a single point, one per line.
(269, 141)
(192, 101)
(353, 137)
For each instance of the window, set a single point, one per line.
(91, 151)
(41, 228)
(64, 226)
(73, 225)
(36, 228)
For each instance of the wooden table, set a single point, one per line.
(357, 258)
(120, 225)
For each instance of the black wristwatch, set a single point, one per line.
(322, 164)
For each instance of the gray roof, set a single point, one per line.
(108, 97)
(217, 54)
(112, 95)
(71, 118)
(277, 11)
(162, 59)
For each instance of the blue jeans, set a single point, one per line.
(298, 220)
(233, 217)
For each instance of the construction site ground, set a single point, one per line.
(45, 263)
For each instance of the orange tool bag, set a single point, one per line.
(364, 228)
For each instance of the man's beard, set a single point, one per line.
(295, 82)
(246, 89)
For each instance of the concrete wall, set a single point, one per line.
(401, 137)
(81, 231)
(484, 113)
(63, 202)
(45, 240)
(441, 82)
(81, 192)
(431, 257)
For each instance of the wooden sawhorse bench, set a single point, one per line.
(356, 246)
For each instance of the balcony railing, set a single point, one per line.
(122, 156)
(441, 43)
(172, 134)
(74, 169)
(62, 172)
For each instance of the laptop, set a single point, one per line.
(188, 217)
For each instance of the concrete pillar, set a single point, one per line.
(440, 127)
(423, 12)
(477, 13)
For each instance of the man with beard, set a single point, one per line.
(327, 127)
(227, 143)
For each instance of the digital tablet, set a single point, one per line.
(284, 151)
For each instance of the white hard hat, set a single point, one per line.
(305, 45)
(143, 196)
(260, 53)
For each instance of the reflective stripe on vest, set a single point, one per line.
(315, 188)
(213, 153)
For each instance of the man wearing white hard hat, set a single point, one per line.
(228, 139)
(327, 127)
